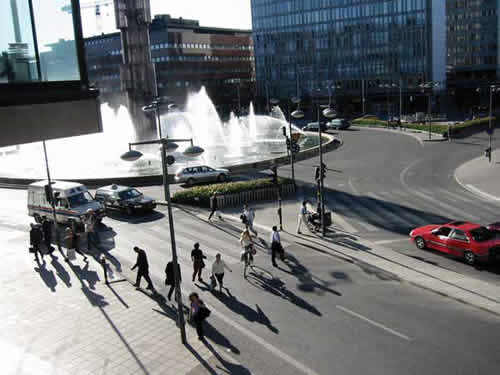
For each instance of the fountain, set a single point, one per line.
(240, 140)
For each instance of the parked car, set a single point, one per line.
(71, 200)
(193, 175)
(124, 198)
(313, 127)
(472, 242)
(338, 123)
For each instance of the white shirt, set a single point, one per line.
(275, 237)
(218, 267)
(303, 211)
(250, 214)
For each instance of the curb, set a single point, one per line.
(408, 132)
(472, 189)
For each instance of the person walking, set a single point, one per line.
(276, 248)
(72, 242)
(248, 250)
(170, 278)
(218, 270)
(198, 313)
(90, 222)
(143, 268)
(197, 257)
(36, 238)
(302, 216)
(215, 207)
(250, 216)
(47, 234)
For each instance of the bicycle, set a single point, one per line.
(247, 258)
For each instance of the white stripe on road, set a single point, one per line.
(360, 211)
(382, 242)
(397, 219)
(374, 323)
(278, 353)
(455, 211)
(343, 223)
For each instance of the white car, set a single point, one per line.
(203, 173)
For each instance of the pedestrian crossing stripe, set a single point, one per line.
(398, 218)
(342, 201)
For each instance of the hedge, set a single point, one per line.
(435, 128)
(200, 195)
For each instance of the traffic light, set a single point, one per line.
(323, 170)
(48, 193)
(487, 153)
(317, 174)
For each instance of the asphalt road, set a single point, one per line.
(385, 184)
(317, 314)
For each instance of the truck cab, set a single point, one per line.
(71, 199)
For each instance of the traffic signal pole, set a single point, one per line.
(321, 175)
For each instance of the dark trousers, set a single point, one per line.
(276, 250)
(36, 249)
(93, 239)
(212, 213)
(198, 322)
(171, 290)
(47, 239)
(197, 268)
(143, 273)
(220, 279)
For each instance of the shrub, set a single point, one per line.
(200, 195)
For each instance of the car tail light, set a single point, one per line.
(178, 174)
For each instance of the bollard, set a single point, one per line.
(104, 268)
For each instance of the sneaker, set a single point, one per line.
(299, 232)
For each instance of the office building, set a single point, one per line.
(355, 44)
(186, 57)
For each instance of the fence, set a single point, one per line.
(265, 194)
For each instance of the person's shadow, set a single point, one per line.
(47, 276)
(61, 271)
(246, 311)
(88, 275)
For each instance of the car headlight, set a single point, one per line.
(411, 233)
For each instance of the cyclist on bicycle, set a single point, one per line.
(246, 242)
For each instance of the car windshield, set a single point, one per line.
(80, 199)
(482, 234)
(129, 194)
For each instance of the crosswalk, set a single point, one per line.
(401, 210)
(216, 237)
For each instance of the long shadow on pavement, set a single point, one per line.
(267, 282)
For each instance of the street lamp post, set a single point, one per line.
(429, 85)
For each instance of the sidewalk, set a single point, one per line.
(481, 177)
(61, 318)
(353, 248)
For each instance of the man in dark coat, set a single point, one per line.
(170, 278)
(36, 239)
(214, 205)
(47, 233)
(143, 268)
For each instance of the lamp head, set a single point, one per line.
(193, 151)
(329, 113)
(295, 100)
(274, 101)
(131, 155)
(173, 107)
(149, 108)
(171, 146)
(298, 114)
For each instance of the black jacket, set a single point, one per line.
(213, 202)
(35, 236)
(169, 273)
(142, 261)
(47, 228)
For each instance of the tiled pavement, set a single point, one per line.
(60, 318)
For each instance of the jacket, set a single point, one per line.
(169, 273)
(142, 261)
(35, 236)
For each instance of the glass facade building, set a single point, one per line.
(306, 45)
(472, 36)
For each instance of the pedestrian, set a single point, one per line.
(90, 222)
(143, 268)
(36, 238)
(72, 242)
(170, 278)
(276, 247)
(198, 313)
(47, 234)
(197, 257)
(302, 216)
(250, 216)
(214, 205)
(218, 270)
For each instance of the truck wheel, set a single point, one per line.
(190, 182)
(221, 177)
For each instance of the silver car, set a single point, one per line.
(193, 175)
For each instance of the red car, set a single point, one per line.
(470, 241)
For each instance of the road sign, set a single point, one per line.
(170, 160)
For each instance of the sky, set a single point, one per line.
(53, 24)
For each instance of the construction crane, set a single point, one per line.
(97, 4)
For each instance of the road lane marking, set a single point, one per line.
(353, 187)
(396, 215)
(374, 323)
(382, 242)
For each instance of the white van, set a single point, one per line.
(72, 200)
